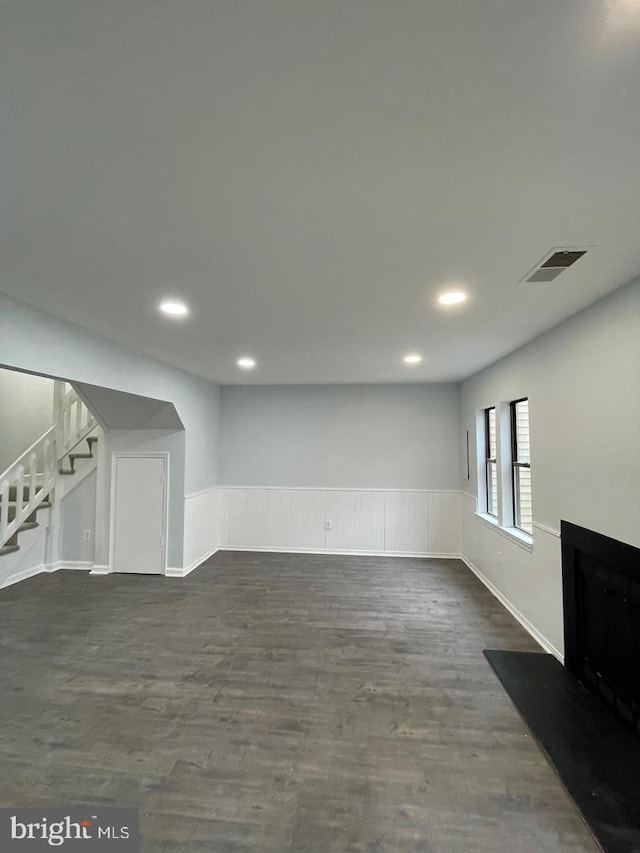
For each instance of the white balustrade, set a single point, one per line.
(23, 487)
(73, 418)
(31, 478)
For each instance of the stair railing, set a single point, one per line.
(31, 478)
(73, 419)
(23, 487)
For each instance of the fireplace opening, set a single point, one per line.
(601, 592)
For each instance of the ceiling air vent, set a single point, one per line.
(553, 263)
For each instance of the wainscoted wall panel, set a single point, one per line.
(406, 522)
(361, 520)
(443, 516)
(357, 521)
(272, 518)
(202, 524)
(297, 513)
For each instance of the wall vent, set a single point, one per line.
(554, 262)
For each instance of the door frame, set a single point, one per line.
(115, 455)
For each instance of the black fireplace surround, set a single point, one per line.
(601, 591)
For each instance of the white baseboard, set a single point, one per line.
(513, 610)
(45, 568)
(75, 565)
(338, 553)
(24, 575)
(98, 569)
(171, 572)
(200, 560)
(329, 489)
(182, 573)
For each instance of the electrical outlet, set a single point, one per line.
(87, 536)
(328, 525)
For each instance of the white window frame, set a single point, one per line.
(504, 522)
(491, 460)
(515, 463)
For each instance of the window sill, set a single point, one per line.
(517, 536)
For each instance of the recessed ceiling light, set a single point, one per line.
(452, 297)
(412, 358)
(174, 308)
(246, 363)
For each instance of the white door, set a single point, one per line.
(139, 514)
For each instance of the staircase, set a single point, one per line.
(28, 485)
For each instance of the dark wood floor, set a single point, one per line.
(277, 703)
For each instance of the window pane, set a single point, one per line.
(522, 431)
(524, 515)
(492, 433)
(492, 488)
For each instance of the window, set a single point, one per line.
(504, 469)
(491, 465)
(521, 466)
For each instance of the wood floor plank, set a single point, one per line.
(278, 703)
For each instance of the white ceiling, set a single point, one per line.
(309, 174)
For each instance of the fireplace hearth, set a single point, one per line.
(601, 590)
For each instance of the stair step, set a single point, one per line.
(71, 457)
(8, 549)
(28, 525)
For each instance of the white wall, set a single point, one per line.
(344, 436)
(203, 512)
(583, 383)
(378, 463)
(77, 513)
(26, 412)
